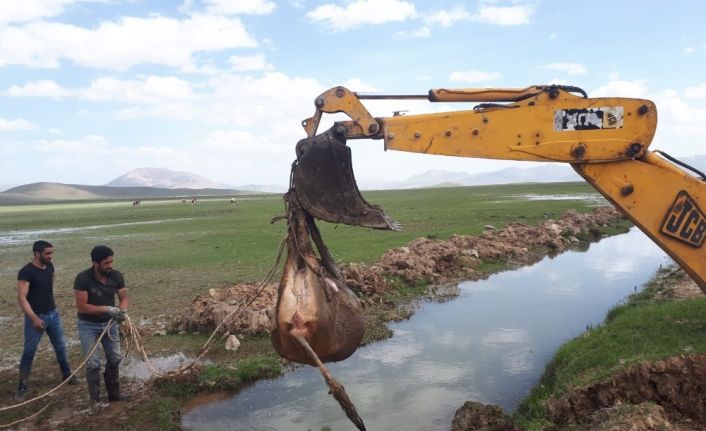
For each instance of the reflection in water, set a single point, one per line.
(489, 345)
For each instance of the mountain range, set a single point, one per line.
(549, 173)
(145, 183)
(169, 179)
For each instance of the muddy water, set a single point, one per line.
(490, 345)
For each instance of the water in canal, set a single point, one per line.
(490, 345)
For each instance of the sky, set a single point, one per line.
(90, 89)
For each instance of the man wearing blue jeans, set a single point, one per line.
(95, 290)
(35, 294)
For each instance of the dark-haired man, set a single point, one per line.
(95, 290)
(35, 294)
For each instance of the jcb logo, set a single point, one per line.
(685, 221)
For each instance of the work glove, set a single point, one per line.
(116, 314)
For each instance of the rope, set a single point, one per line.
(260, 287)
(133, 337)
(65, 381)
(34, 415)
(59, 386)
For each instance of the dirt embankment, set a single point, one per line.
(423, 261)
(667, 395)
(677, 385)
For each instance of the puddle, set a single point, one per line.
(592, 197)
(27, 236)
(135, 368)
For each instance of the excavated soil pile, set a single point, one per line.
(473, 416)
(438, 261)
(422, 261)
(208, 311)
(677, 384)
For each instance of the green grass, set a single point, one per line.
(644, 329)
(223, 376)
(160, 413)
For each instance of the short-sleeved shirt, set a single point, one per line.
(99, 293)
(41, 287)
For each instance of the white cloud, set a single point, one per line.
(554, 36)
(488, 13)
(505, 15)
(250, 63)
(16, 124)
(123, 43)
(446, 18)
(419, 33)
(688, 50)
(637, 88)
(362, 12)
(43, 88)
(569, 68)
(152, 89)
(695, 92)
(473, 76)
(235, 7)
(13, 11)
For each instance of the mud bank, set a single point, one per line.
(667, 394)
(677, 384)
(424, 262)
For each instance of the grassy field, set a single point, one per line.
(171, 252)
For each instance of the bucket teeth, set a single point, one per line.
(323, 179)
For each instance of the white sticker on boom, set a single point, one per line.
(607, 117)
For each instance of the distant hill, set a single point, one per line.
(544, 173)
(163, 178)
(48, 192)
(265, 188)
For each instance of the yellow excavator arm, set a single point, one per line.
(605, 139)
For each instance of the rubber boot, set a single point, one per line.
(93, 378)
(112, 383)
(22, 387)
(72, 380)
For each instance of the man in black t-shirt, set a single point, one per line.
(95, 290)
(35, 294)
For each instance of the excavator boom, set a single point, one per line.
(605, 139)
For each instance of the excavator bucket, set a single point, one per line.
(323, 179)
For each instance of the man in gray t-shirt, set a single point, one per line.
(95, 290)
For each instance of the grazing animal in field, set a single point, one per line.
(136, 203)
(183, 201)
(193, 201)
(232, 201)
